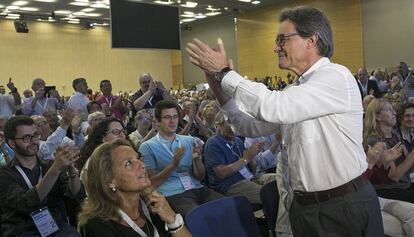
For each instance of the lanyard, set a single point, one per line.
(165, 147)
(150, 99)
(134, 226)
(238, 154)
(26, 179)
(109, 102)
(44, 106)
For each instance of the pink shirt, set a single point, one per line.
(110, 101)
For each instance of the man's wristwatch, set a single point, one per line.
(176, 225)
(220, 75)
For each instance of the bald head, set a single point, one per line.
(362, 74)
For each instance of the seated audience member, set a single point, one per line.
(208, 115)
(397, 216)
(231, 167)
(390, 178)
(36, 105)
(397, 100)
(93, 107)
(119, 203)
(174, 162)
(52, 118)
(7, 105)
(113, 102)
(150, 93)
(31, 187)
(5, 150)
(144, 131)
(108, 130)
(365, 102)
(50, 141)
(406, 125)
(267, 158)
(79, 101)
(94, 119)
(192, 123)
(367, 86)
(406, 79)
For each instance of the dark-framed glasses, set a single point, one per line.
(281, 39)
(117, 132)
(28, 137)
(169, 117)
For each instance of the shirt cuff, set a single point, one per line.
(230, 82)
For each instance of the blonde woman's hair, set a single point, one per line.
(102, 202)
(371, 126)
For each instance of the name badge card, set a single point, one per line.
(186, 181)
(246, 173)
(44, 222)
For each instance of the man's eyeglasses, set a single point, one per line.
(28, 138)
(281, 39)
(169, 117)
(117, 132)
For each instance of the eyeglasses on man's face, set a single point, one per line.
(169, 117)
(281, 39)
(117, 132)
(29, 138)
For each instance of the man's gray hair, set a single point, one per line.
(311, 21)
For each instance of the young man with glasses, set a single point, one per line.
(321, 121)
(32, 189)
(174, 163)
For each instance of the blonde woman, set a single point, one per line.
(116, 179)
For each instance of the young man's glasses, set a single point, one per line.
(169, 117)
(28, 137)
(283, 38)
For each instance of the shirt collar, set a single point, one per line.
(321, 62)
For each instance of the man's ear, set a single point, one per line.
(312, 41)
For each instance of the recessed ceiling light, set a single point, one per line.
(164, 2)
(63, 12)
(73, 22)
(78, 13)
(12, 17)
(187, 15)
(256, 2)
(189, 4)
(29, 9)
(200, 16)
(93, 14)
(1, 6)
(188, 20)
(245, 0)
(13, 7)
(99, 5)
(210, 8)
(213, 13)
(45, 0)
(82, 4)
(3, 13)
(81, 0)
(20, 3)
(88, 9)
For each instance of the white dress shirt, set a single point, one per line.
(321, 123)
(79, 102)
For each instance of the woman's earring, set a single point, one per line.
(113, 188)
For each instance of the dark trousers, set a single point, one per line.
(406, 195)
(184, 202)
(354, 214)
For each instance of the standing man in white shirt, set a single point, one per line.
(79, 101)
(321, 122)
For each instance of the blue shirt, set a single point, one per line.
(79, 102)
(157, 157)
(218, 151)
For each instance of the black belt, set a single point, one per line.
(307, 198)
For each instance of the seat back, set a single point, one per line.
(225, 217)
(270, 200)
